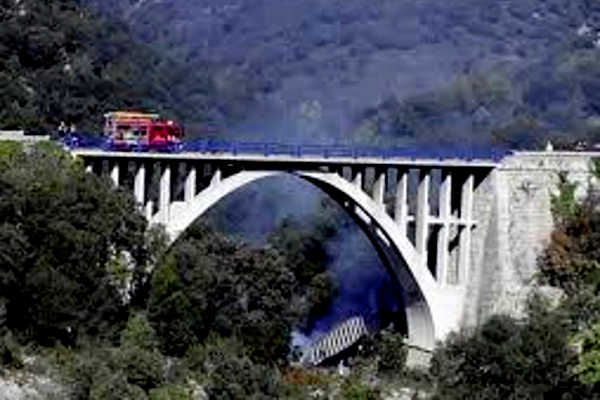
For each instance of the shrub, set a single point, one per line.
(212, 285)
(10, 354)
(355, 390)
(139, 333)
(391, 352)
(508, 359)
(564, 204)
(60, 230)
(229, 372)
(170, 392)
(572, 259)
(588, 367)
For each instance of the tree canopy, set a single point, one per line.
(70, 246)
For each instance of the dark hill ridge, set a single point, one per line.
(60, 62)
(390, 72)
(326, 62)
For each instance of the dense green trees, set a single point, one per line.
(510, 359)
(61, 62)
(531, 80)
(572, 262)
(69, 247)
(210, 284)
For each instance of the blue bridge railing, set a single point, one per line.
(306, 150)
(80, 140)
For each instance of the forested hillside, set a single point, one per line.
(61, 62)
(510, 72)
(465, 71)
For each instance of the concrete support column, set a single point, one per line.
(422, 217)
(379, 186)
(357, 177)
(466, 215)
(401, 206)
(114, 173)
(189, 191)
(444, 234)
(149, 209)
(164, 200)
(139, 184)
(216, 178)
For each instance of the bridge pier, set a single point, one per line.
(115, 172)
(190, 183)
(445, 209)
(401, 203)
(466, 215)
(422, 217)
(379, 186)
(139, 184)
(164, 200)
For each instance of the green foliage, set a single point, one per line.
(211, 284)
(9, 150)
(60, 230)
(139, 333)
(98, 372)
(61, 62)
(355, 390)
(143, 368)
(392, 352)
(304, 249)
(564, 204)
(572, 258)
(171, 392)
(589, 357)
(596, 167)
(229, 372)
(10, 354)
(508, 359)
(115, 387)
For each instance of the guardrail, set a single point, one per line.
(308, 150)
(326, 151)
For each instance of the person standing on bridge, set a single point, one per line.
(62, 128)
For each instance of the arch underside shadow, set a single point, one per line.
(394, 248)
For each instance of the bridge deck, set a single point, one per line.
(287, 159)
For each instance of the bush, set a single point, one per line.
(115, 387)
(170, 392)
(589, 358)
(572, 259)
(139, 333)
(60, 231)
(229, 373)
(509, 359)
(143, 368)
(212, 285)
(354, 390)
(111, 372)
(10, 354)
(392, 352)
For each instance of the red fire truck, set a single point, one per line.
(136, 131)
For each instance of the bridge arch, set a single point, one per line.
(422, 306)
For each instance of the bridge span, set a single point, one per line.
(446, 229)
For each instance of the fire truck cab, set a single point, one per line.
(136, 131)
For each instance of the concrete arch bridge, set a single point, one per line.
(437, 224)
